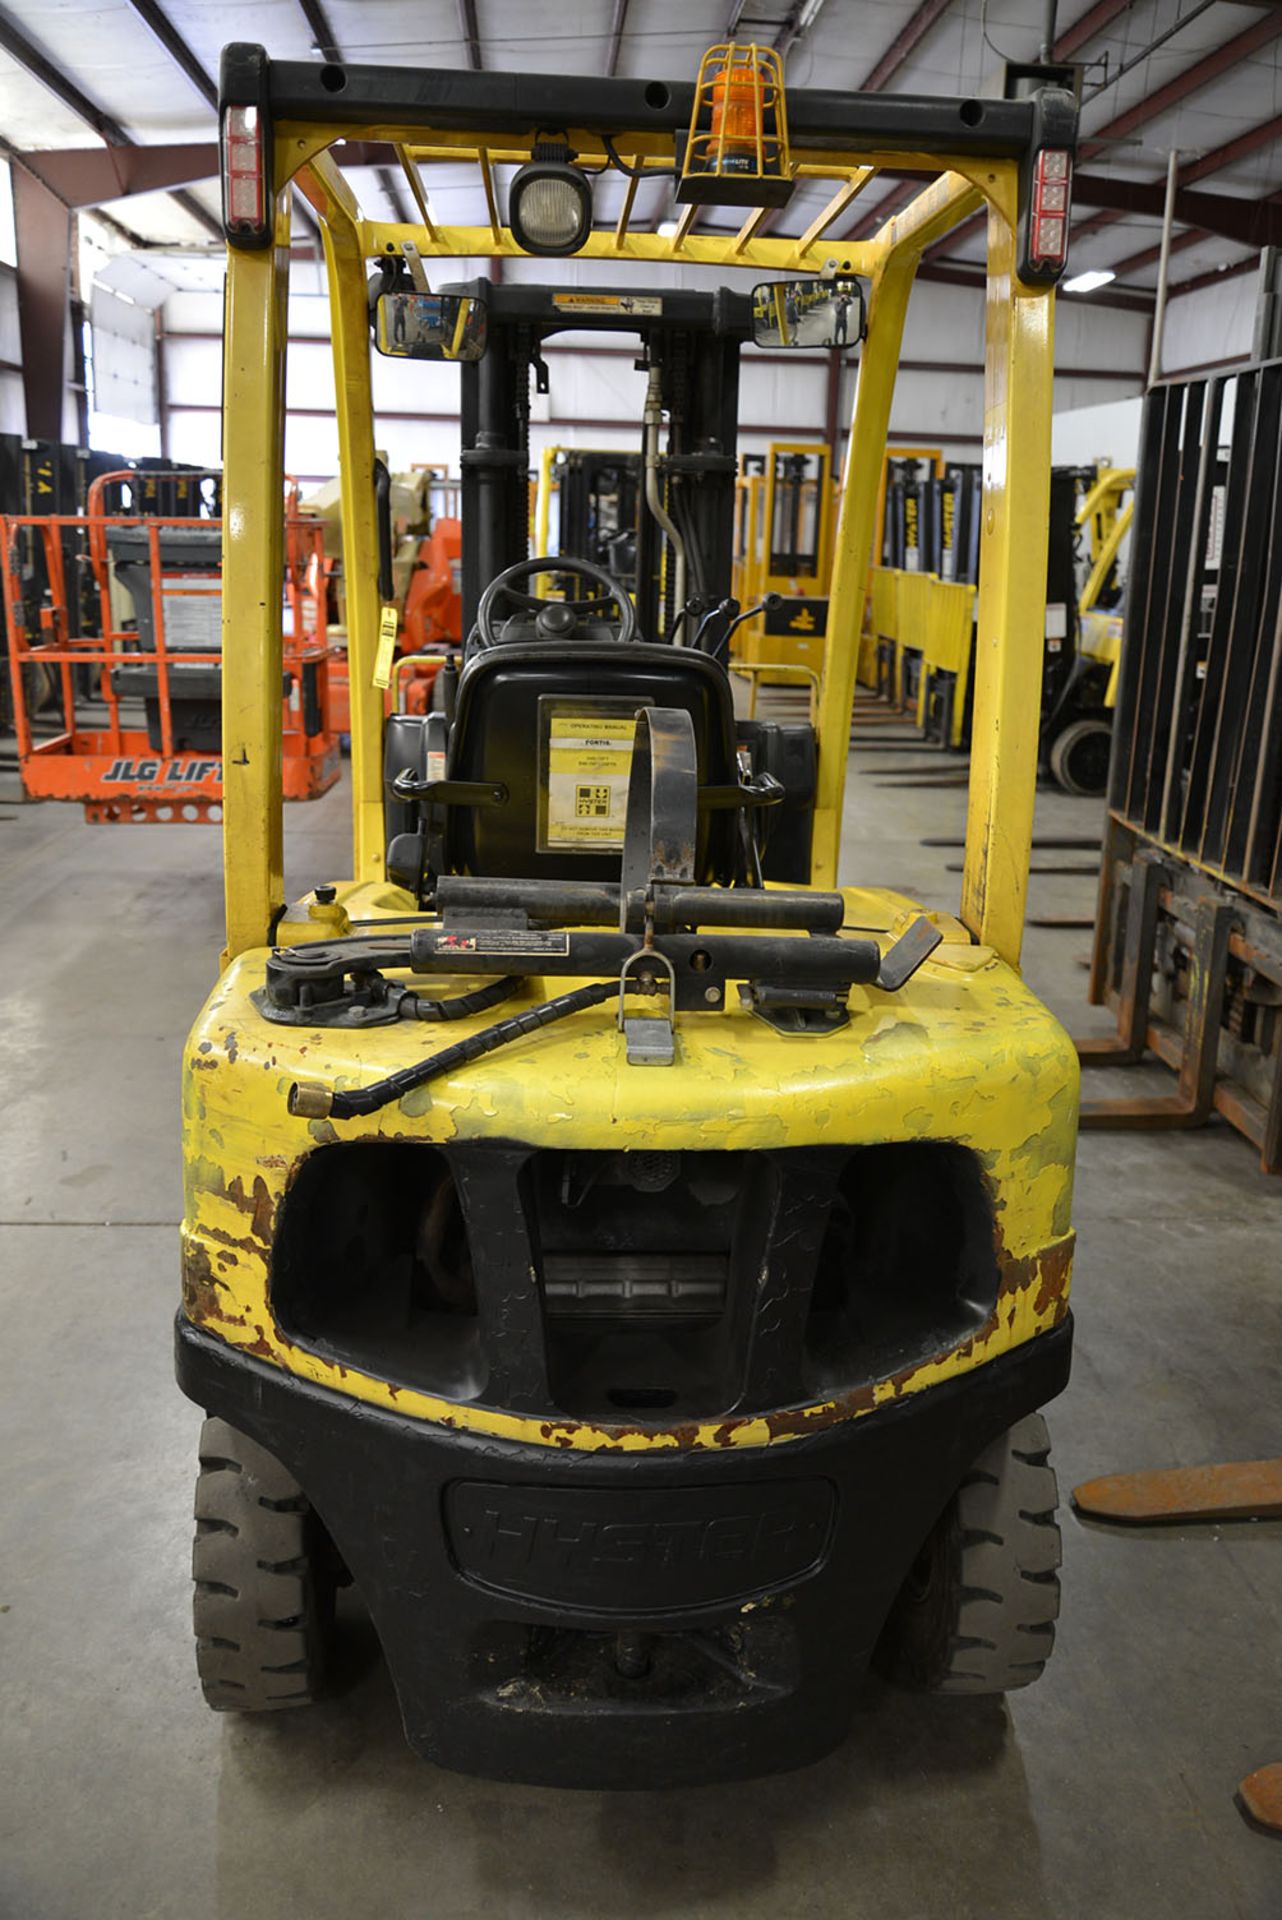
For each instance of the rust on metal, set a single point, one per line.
(258, 1205)
(200, 1284)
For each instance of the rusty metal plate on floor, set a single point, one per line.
(1236, 1490)
(1260, 1797)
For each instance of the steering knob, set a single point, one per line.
(556, 620)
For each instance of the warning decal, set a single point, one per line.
(607, 303)
(588, 762)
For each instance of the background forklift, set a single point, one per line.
(783, 547)
(922, 618)
(1091, 511)
(589, 504)
(657, 1354)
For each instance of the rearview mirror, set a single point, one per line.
(808, 313)
(430, 326)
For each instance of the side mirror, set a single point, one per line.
(808, 313)
(430, 326)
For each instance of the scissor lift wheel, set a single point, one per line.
(263, 1603)
(977, 1613)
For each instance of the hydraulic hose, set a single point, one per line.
(653, 418)
(319, 1103)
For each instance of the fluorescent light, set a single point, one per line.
(1089, 281)
(666, 229)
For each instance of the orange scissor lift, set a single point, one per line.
(137, 737)
(425, 562)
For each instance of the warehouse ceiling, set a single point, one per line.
(1201, 76)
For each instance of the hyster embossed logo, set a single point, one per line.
(635, 1550)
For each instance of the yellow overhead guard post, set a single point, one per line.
(1018, 373)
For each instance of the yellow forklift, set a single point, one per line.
(667, 1343)
(783, 547)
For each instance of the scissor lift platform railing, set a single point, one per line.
(121, 764)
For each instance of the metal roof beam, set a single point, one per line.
(1261, 226)
(1211, 66)
(1191, 171)
(618, 27)
(471, 33)
(323, 41)
(1093, 21)
(41, 68)
(914, 29)
(1211, 278)
(176, 47)
(1201, 73)
(27, 55)
(1231, 216)
(328, 48)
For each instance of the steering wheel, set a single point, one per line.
(553, 619)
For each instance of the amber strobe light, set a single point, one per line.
(736, 153)
(550, 202)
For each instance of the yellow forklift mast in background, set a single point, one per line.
(785, 521)
(1106, 512)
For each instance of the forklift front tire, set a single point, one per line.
(977, 1612)
(263, 1604)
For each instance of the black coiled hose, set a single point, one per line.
(319, 1103)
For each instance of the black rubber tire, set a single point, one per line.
(977, 1613)
(263, 1605)
(1079, 757)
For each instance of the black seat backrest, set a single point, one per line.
(554, 725)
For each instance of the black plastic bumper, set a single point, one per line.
(500, 1576)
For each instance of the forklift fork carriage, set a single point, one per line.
(666, 1345)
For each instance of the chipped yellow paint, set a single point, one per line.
(964, 1053)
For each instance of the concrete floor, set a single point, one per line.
(1105, 1791)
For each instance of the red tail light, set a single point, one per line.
(244, 174)
(1052, 193)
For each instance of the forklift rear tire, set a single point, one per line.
(263, 1604)
(977, 1613)
(1079, 758)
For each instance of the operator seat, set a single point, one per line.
(510, 699)
(527, 780)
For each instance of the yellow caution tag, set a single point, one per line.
(388, 627)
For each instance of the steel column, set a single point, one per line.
(44, 287)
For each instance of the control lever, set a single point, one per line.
(730, 611)
(900, 962)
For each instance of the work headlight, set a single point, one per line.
(550, 202)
